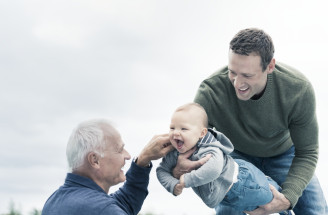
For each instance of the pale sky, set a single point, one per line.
(132, 62)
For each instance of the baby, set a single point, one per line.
(221, 180)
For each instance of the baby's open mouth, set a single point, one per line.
(179, 144)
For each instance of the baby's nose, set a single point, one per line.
(176, 132)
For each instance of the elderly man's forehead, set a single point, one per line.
(114, 139)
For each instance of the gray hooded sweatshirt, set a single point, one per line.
(211, 181)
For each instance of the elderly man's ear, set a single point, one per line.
(93, 160)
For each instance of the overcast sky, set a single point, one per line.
(132, 62)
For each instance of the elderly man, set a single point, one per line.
(96, 156)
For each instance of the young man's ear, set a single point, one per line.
(204, 132)
(93, 160)
(271, 65)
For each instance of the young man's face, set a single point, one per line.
(246, 75)
(185, 130)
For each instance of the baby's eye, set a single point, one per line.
(184, 129)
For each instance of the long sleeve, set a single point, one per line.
(164, 171)
(82, 196)
(210, 171)
(304, 134)
(132, 194)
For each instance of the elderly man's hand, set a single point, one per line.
(278, 203)
(157, 148)
(184, 165)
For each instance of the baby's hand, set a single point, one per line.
(178, 189)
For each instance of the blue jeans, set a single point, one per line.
(251, 190)
(312, 201)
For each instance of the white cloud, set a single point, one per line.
(60, 34)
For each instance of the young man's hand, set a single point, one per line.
(184, 165)
(278, 203)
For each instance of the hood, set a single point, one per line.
(217, 139)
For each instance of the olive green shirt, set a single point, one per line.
(283, 116)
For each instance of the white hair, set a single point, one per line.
(88, 136)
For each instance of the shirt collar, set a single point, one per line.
(81, 181)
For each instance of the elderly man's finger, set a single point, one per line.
(167, 149)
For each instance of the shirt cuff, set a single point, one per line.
(135, 159)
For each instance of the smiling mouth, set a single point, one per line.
(179, 144)
(243, 90)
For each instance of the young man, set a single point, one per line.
(267, 110)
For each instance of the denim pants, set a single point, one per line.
(312, 201)
(251, 190)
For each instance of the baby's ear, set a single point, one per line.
(204, 132)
